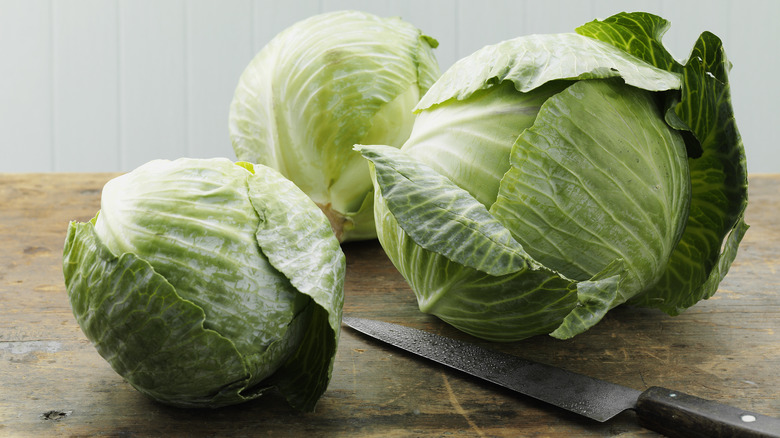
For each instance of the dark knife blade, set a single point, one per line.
(672, 413)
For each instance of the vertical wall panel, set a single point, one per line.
(605, 8)
(273, 16)
(219, 45)
(25, 86)
(438, 19)
(435, 18)
(85, 101)
(152, 81)
(754, 49)
(488, 22)
(571, 14)
(689, 20)
(109, 84)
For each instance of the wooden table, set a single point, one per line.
(53, 382)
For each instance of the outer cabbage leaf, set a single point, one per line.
(595, 297)
(441, 217)
(534, 60)
(598, 177)
(113, 297)
(444, 133)
(718, 171)
(465, 267)
(639, 34)
(299, 243)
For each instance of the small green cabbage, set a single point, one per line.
(205, 283)
(318, 88)
(551, 178)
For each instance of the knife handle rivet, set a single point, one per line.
(747, 418)
(672, 395)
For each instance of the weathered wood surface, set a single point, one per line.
(53, 382)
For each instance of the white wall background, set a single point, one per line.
(106, 85)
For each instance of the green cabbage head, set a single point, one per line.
(318, 88)
(205, 283)
(551, 178)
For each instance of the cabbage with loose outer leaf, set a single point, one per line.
(551, 178)
(205, 283)
(318, 88)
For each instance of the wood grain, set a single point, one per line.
(53, 382)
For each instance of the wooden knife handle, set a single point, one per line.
(676, 414)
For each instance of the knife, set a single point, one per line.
(667, 411)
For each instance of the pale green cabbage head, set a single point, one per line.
(208, 282)
(550, 178)
(318, 88)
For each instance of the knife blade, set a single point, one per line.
(670, 412)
